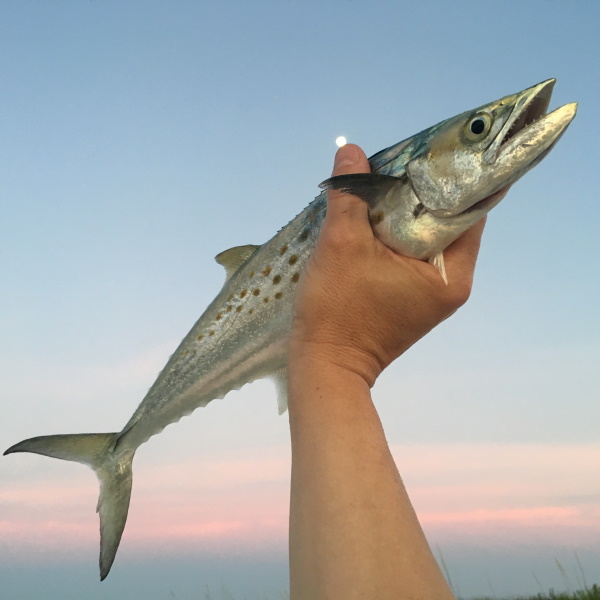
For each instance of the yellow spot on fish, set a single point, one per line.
(250, 311)
(265, 300)
(251, 275)
(266, 271)
(211, 333)
(293, 259)
(238, 309)
(230, 298)
(256, 292)
(295, 277)
(200, 337)
(283, 249)
(219, 317)
(243, 294)
(304, 235)
(276, 279)
(228, 309)
(186, 353)
(278, 295)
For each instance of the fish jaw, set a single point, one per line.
(530, 145)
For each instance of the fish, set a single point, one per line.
(422, 194)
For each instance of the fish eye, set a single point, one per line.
(478, 127)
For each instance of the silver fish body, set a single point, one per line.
(422, 194)
(242, 335)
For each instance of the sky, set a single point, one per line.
(140, 139)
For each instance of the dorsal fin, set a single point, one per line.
(235, 257)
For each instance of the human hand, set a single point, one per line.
(358, 304)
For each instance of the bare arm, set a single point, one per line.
(353, 531)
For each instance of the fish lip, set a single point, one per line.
(532, 105)
(486, 203)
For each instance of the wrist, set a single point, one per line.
(321, 391)
(322, 360)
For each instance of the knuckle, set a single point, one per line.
(458, 294)
(341, 238)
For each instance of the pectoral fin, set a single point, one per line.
(371, 188)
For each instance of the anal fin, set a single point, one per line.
(437, 260)
(280, 380)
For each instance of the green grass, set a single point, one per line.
(592, 593)
(587, 593)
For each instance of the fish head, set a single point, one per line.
(474, 155)
(428, 189)
(451, 175)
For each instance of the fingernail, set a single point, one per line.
(345, 157)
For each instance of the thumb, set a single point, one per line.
(350, 159)
(343, 207)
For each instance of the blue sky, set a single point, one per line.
(141, 139)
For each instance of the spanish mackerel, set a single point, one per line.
(422, 194)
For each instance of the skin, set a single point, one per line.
(353, 531)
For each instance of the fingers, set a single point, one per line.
(461, 256)
(346, 210)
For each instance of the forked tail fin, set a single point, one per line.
(113, 472)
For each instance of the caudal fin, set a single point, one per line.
(113, 472)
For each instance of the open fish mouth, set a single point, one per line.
(529, 109)
(534, 108)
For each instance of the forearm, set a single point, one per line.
(353, 531)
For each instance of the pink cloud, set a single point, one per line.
(484, 493)
(529, 516)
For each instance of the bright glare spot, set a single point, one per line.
(340, 141)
